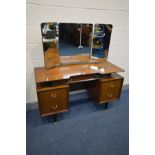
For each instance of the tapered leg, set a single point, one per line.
(106, 105)
(55, 118)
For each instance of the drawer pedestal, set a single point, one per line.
(53, 100)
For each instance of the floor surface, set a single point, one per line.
(87, 129)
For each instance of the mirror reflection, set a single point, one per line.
(75, 40)
(101, 40)
(50, 41)
(69, 43)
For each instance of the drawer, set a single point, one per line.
(110, 89)
(87, 77)
(53, 100)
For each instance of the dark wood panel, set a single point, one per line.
(81, 85)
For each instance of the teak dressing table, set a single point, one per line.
(53, 84)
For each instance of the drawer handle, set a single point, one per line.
(109, 95)
(112, 85)
(53, 95)
(54, 107)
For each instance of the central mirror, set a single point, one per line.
(75, 42)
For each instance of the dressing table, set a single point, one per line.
(65, 73)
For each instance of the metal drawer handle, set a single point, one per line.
(53, 95)
(112, 85)
(109, 95)
(54, 107)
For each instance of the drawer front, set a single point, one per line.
(110, 90)
(85, 77)
(53, 101)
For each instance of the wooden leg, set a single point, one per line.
(106, 105)
(55, 118)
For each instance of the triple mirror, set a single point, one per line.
(70, 43)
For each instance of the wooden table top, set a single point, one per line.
(66, 71)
